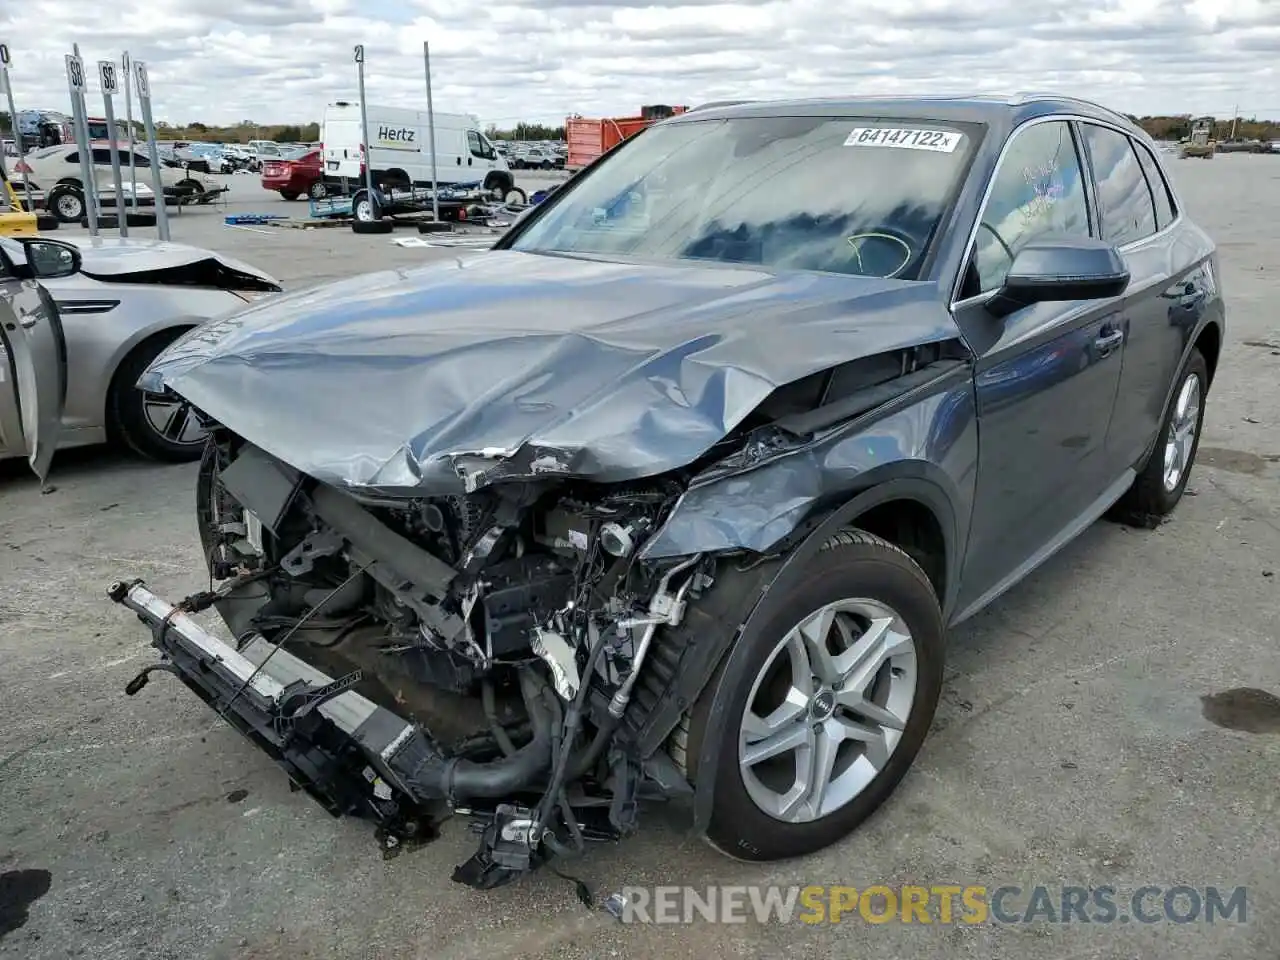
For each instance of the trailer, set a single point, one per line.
(588, 139)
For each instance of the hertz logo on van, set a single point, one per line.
(397, 138)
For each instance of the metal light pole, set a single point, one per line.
(364, 126)
(128, 119)
(109, 82)
(5, 58)
(76, 86)
(431, 133)
(157, 184)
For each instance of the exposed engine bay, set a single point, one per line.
(508, 627)
(506, 651)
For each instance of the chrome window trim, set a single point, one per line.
(995, 172)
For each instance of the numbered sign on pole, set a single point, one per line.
(4, 55)
(107, 78)
(75, 73)
(359, 53)
(141, 81)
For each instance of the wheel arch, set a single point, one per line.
(919, 501)
(1209, 343)
(495, 177)
(158, 333)
(913, 512)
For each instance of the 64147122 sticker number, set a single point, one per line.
(940, 141)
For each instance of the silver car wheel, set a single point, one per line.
(173, 419)
(1183, 426)
(827, 710)
(70, 206)
(364, 210)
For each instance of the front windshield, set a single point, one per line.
(849, 196)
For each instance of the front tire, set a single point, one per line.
(66, 203)
(838, 690)
(1159, 487)
(156, 426)
(288, 195)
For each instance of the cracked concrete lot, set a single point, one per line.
(1072, 745)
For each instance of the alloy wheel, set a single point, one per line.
(827, 709)
(173, 419)
(1183, 426)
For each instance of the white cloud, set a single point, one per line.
(222, 61)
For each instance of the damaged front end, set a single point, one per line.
(408, 659)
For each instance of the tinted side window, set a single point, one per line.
(1038, 191)
(102, 157)
(1160, 192)
(473, 144)
(1124, 201)
(73, 157)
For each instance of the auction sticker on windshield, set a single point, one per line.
(941, 141)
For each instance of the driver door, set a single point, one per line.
(1046, 376)
(33, 364)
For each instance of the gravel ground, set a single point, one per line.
(1072, 745)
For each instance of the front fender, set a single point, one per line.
(930, 440)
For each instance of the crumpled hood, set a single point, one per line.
(117, 257)
(533, 363)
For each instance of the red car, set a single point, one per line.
(294, 177)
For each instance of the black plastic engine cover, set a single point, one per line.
(518, 595)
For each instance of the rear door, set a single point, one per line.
(34, 366)
(1168, 290)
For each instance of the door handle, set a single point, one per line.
(1106, 343)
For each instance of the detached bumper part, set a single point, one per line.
(350, 754)
(333, 742)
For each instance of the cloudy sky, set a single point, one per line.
(221, 61)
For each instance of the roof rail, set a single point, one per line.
(718, 103)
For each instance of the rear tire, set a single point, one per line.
(157, 427)
(1160, 485)
(318, 190)
(854, 571)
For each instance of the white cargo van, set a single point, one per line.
(401, 148)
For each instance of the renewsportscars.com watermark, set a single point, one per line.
(936, 904)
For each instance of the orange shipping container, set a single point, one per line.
(587, 138)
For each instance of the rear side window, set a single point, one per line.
(1124, 199)
(1160, 192)
(73, 157)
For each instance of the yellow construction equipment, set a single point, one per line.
(15, 221)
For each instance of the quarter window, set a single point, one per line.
(1124, 200)
(1037, 191)
(1160, 192)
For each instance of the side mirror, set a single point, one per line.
(48, 259)
(1057, 270)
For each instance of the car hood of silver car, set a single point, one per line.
(114, 258)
